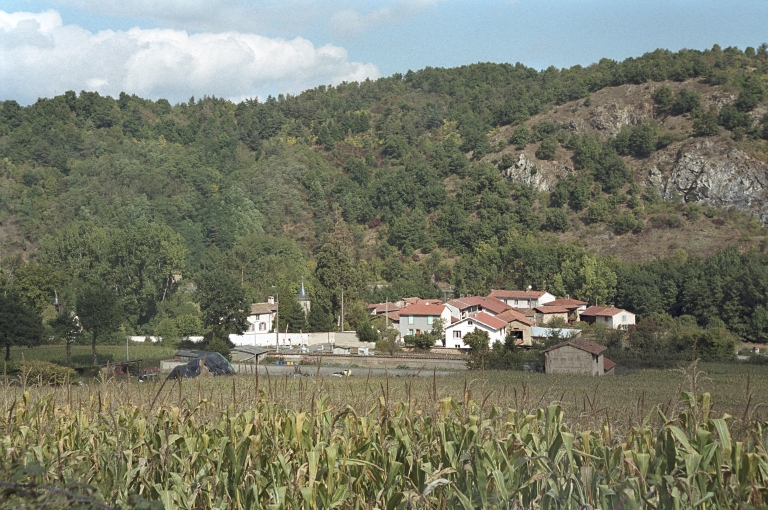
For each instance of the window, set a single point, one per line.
(623, 318)
(410, 319)
(430, 319)
(457, 334)
(262, 326)
(515, 302)
(410, 332)
(469, 323)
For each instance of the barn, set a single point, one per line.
(577, 357)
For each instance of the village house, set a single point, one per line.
(547, 313)
(262, 316)
(418, 319)
(518, 325)
(467, 306)
(523, 298)
(577, 357)
(455, 333)
(574, 306)
(611, 317)
(382, 308)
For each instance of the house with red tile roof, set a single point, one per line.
(518, 325)
(419, 319)
(611, 317)
(577, 357)
(455, 333)
(545, 314)
(523, 298)
(471, 305)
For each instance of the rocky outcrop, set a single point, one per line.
(542, 176)
(613, 116)
(716, 174)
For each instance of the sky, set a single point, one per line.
(240, 49)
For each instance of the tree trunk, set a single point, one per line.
(69, 353)
(7, 351)
(93, 348)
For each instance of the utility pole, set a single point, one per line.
(386, 314)
(341, 325)
(277, 322)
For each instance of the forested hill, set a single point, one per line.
(623, 182)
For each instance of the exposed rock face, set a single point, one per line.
(716, 174)
(543, 176)
(614, 116)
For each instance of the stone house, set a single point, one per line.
(574, 306)
(611, 317)
(518, 325)
(547, 313)
(577, 357)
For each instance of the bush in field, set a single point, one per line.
(420, 341)
(44, 372)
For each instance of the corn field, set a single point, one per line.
(206, 445)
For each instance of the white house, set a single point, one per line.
(455, 333)
(611, 317)
(523, 298)
(262, 316)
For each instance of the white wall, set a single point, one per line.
(463, 327)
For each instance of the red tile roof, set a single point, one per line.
(382, 307)
(394, 316)
(551, 309)
(525, 312)
(511, 315)
(570, 303)
(603, 311)
(488, 320)
(418, 301)
(584, 345)
(422, 310)
(607, 364)
(492, 305)
(517, 294)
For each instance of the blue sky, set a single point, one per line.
(238, 49)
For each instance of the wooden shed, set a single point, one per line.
(577, 357)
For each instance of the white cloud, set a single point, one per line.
(351, 23)
(40, 56)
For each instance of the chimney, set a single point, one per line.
(271, 300)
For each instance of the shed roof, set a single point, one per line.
(584, 345)
(607, 364)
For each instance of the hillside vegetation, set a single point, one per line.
(641, 183)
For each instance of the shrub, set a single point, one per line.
(420, 341)
(557, 221)
(520, 137)
(44, 372)
(623, 223)
(547, 149)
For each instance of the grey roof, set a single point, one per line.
(250, 349)
(302, 295)
(539, 332)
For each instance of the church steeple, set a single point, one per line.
(303, 298)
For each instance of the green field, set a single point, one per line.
(151, 354)
(470, 440)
